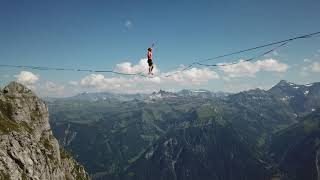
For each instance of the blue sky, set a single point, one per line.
(101, 34)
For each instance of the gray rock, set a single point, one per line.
(28, 150)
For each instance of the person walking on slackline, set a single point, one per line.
(150, 63)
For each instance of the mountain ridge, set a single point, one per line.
(28, 149)
(125, 132)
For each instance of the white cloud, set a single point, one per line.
(54, 87)
(315, 67)
(99, 82)
(311, 67)
(27, 78)
(141, 67)
(193, 76)
(249, 69)
(190, 76)
(118, 83)
(243, 69)
(272, 65)
(132, 84)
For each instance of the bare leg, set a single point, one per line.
(151, 69)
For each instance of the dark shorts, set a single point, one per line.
(150, 62)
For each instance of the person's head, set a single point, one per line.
(150, 49)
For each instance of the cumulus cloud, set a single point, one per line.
(27, 78)
(100, 82)
(120, 84)
(54, 87)
(190, 76)
(132, 84)
(177, 79)
(311, 67)
(193, 76)
(141, 67)
(249, 69)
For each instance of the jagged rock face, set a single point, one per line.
(297, 149)
(28, 149)
(301, 98)
(208, 153)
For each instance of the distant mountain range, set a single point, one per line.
(107, 96)
(194, 134)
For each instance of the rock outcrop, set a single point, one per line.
(28, 150)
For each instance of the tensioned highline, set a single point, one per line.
(196, 62)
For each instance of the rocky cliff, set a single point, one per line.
(28, 150)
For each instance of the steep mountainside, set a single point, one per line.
(256, 114)
(297, 149)
(28, 150)
(302, 98)
(208, 152)
(121, 132)
(120, 140)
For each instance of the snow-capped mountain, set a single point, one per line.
(300, 97)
